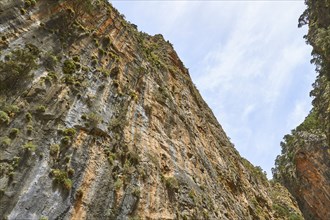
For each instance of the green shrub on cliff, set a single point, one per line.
(29, 3)
(54, 150)
(284, 212)
(118, 184)
(40, 109)
(62, 178)
(16, 70)
(30, 146)
(69, 67)
(69, 132)
(317, 17)
(13, 133)
(310, 123)
(80, 7)
(10, 109)
(4, 118)
(5, 141)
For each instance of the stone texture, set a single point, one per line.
(146, 145)
(307, 173)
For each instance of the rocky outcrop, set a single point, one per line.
(304, 170)
(313, 192)
(100, 121)
(304, 165)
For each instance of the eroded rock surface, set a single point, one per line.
(304, 164)
(107, 124)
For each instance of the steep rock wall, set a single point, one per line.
(104, 122)
(303, 166)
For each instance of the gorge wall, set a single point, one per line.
(101, 121)
(304, 165)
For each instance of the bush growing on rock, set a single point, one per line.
(69, 132)
(80, 193)
(11, 109)
(118, 184)
(40, 109)
(61, 177)
(30, 146)
(29, 129)
(4, 118)
(13, 133)
(15, 71)
(66, 140)
(54, 149)
(28, 116)
(69, 67)
(81, 7)
(5, 141)
(29, 3)
(71, 171)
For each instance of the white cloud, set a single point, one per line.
(251, 75)
(248, 110)
(282, 72)
(298, 114)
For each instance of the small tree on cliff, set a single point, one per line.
(16, 70)
(81, 7)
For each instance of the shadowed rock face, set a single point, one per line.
(313, 192)
(304, 164)
(307, 173)
(110, 126)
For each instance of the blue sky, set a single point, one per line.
(247, 58)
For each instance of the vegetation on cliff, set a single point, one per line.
(105, 123)
(317, 17)
(303, 166)
(15, 69)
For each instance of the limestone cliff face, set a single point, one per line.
(304, 170)
(100, 121)
(313, 170)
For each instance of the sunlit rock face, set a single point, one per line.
(100, 121)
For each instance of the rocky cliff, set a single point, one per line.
(304, 165)
(100, 121)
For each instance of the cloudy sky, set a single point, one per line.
(247, 58)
